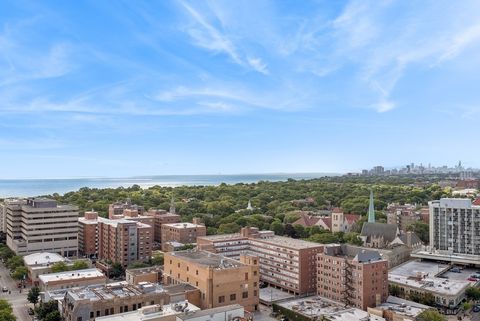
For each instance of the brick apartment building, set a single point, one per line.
(184, 233)
(124, 241)
(358, 279)
(88, 234)
(221, 281)
(285, 263)
(161, 217)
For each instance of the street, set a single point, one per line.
(18, 300)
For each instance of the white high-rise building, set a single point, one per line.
(455, 226)
(41, 225)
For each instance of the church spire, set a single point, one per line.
(371, 209)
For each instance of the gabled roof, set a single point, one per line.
(327, 221)
(306, 220)
(351, 218)
(388, 231)
(414, 240)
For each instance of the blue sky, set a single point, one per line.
(123, 88)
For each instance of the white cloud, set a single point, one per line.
(384, 106)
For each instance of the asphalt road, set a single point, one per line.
(18, 300)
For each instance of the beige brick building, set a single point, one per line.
(358, 279)
(221, 281)
(152, 274)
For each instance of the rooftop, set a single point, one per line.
(426, 276)
(42, 258)
(356, 253)
(153, 312)
(182, 225)
(288, 242)
(317, 306)
(208, 259)
(71, 275)
(403, 307)
(145, 270)
(113, 290)
(209, 312)
(223, 237)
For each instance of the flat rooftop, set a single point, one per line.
(314, 306)
(208, 259)
(223, 237)
(183, 225)
(113, 290)
(209, 312)
(145, 270)
(270, 295)
(287, 242)
(152, 312)
(71, 275)
(403, 307)
(425, 276)
(42, 258)
(424, 253)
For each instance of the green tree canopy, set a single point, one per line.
(59, 267)
(157, 259)
(79, 265)
(430, 315)
(20, 273)
(33, 295)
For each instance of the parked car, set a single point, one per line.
(472, 279)
(455, 270)
(4, 289)
(30, 311)
(476, 308)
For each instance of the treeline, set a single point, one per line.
(222, 207)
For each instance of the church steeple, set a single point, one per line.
(371, 209)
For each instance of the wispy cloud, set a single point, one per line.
(211, 38)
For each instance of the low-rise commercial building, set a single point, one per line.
(420, 278)
(71, 279)
(42, 225)
(319, 308)
(397, 309)
(41, 263)
(285, 263)
(355, 278)
(185, 233)
(156, 312)
(89, 303)
(152, 274)
(221, 281)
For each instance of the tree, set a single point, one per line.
(45, 308)
(59, 267)
(421, 229)
(394, 289)
(20, 273)
(117, 270)
(79, 265)
(300, 231)
(7, 316)
(137, 265)
(53, 316)
(14, 262)
(352, 238)
(229, 228)
(5, 306)
(157, 259)
(33, 295)
(430, 315)
(473, 293)
(290, 231)
(277, 227)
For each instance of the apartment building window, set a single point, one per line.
(196, 283)
(245, 295)
(106, 311)
(254, 292)
(196, 272)
(134, 307)
(91, 314)
(255, 273)
(98, 313)
(79, 318)
(178, 264)
(152, 302)
(233, 297)
(221, 299)
(246, 276)
(121, 309)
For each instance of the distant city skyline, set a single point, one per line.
(110, 89)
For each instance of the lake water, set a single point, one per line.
(37, 187)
